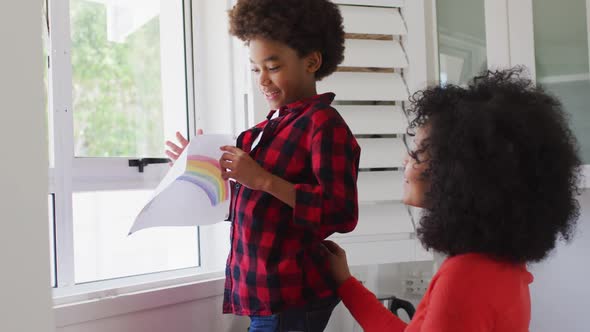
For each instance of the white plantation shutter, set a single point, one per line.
(384, 54)
(381, 186)
(374, 119)
(364, 86)
(373, 20)
(381, 152)
(381, 223)
(377, 3)
(371, 94)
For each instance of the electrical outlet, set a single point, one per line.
(415, 285)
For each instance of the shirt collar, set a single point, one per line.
(325, 98)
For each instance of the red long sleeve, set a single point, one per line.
(470, 293)
(367, 310)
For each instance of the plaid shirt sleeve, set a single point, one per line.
(331, 204)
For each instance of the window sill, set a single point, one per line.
(78, 305)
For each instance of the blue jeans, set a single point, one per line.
(311, 319)
(264, 323)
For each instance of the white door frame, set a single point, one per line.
(510, 34)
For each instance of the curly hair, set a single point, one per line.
(503, 168)
(304, 25)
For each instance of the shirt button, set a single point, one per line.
(238, 185)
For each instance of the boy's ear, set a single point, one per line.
(313, 61)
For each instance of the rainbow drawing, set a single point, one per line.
(204, 172)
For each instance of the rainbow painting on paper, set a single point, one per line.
(204, 172)
(192, 193)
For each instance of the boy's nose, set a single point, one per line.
(263, 79)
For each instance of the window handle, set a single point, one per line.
(143, 162)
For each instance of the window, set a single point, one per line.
(462, 40)
(551, 41)
(561, 53)
(102, 249)
(123, 73)
(118, 88)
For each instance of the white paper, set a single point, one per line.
(192, 193)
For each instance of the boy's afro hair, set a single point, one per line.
(304, 25)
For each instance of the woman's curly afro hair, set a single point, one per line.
(304, 25)
(503, 168)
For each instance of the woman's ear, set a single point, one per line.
(313, 61)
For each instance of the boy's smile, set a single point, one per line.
(282, 75)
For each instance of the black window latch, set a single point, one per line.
(141, 163)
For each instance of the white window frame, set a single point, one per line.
(71, 175)
(511, 42)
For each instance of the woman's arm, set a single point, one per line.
(362, 304)
(367, 310)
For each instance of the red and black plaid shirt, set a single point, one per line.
(275, 261)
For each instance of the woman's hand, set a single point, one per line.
(238, 165)
(174, 151)
(337, 257)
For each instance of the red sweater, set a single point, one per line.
(469, 293)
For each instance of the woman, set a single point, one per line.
(496, 170)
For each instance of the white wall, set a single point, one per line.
(198, 316)
(560, 292)
(24, 240)
(116, 313)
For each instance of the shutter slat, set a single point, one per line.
(366, 86)
(374, 54)
(369, 36)
(379, 252)
(379, 120)
(372, 20)
(381, 152)
(380, 186)
(378, 3)
(386, 218)
(365, 70)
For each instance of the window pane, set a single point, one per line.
(561, 53)
(102, 249)
(128, 76)
(462, 40)
(51, 205)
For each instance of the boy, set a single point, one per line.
(295, 172)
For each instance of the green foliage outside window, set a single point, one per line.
(117, 87)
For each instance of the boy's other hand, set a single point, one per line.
(174, 151)
(238, 165)
(338, 262)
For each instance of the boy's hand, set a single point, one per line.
(337, 257)
(238, 165)
(174, 151)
